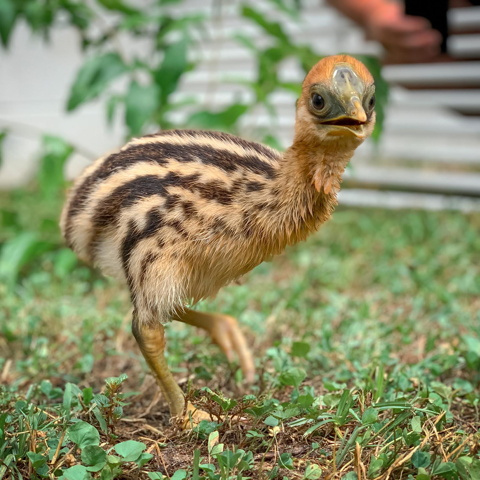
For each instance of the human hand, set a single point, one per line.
(406, 39)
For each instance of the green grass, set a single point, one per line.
(367, 342)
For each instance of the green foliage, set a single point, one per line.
(41, 16)
(94, 77)
(83, 434)
(282, 47)
(151, 80)
(140, 103)
(52, 164)
(8, 13)
(26, 235)
(381, 93)
(309, 399)
(224, 120)
(3, 134)
(19, 251)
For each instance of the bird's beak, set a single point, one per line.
(349, 89)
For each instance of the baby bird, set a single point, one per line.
(181, 213)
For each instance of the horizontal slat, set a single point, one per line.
(461, 19)
(460, 74)
(414, 179)
(404, 200)
(462, 101)
(464, 46)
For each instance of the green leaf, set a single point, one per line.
(271, 421)
(446, 470)
(8, 16)
(83, 434)
(19, 252)
(286, 461)
(87, 395)
(113, 460)
(93, 455)
(101, 420)
(246, 41)
(375, 467)
(423, 476)
(472, 344)
(130, 450)
(292, 11)
(300, 349)
(173, 66)
(273, 28)
(94, 77)
(441, 389)
(118, 6)
(369, 416)
(474, 469)
(293, 376)
(416, 424)
(140, 103)
(52, 164)
(46, 387)
(217, 449)
(179, 475)
(463, 466)
(143, 459)
(350, 476)
(155, 476)
(3, 133)
(77, 472)
(223, 120)
(312, 472)
(70, 395)
(420, 459)
(464, 386)
(36, 459)
(64, 262)
(112, 104)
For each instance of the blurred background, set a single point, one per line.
(384, 300)
(95, 73)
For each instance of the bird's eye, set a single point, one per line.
(317, 101)
(371, 103)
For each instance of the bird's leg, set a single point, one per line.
(151, 340)
(225, 333)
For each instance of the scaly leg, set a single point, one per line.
(225, 333)
(151, 340)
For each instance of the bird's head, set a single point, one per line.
(337, 101)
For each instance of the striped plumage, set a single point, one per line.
(182, 213)
(189, 210)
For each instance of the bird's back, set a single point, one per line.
(171, 195)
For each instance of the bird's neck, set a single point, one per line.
(308, 180)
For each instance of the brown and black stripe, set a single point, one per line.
(178, 184)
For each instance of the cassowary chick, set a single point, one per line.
(182, 213)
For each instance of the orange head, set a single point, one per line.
(338, 100)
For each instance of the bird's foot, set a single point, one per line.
(226, 333)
